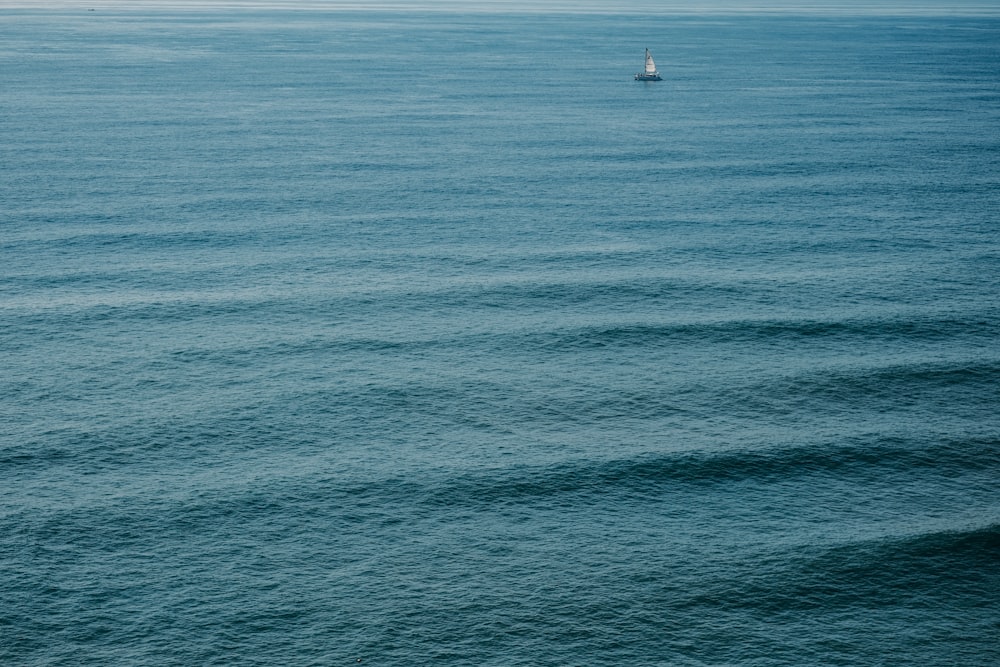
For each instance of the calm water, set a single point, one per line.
(435, 338)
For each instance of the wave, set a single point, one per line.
(344, 321)
(651, 475)
(676, 397)
(199, 296)
(637, 478)
(672, 404)
(909, 328)
(929, 569)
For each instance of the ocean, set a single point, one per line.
(428, 337)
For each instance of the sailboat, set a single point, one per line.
(650, 74)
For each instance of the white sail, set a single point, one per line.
(650, 65)
(650, 73)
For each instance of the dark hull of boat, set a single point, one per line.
(648, 77)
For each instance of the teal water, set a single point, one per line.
(421, 338)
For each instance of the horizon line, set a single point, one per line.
(848, 7)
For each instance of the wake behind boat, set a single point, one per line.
(650, 73)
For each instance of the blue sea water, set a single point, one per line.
(427, 337)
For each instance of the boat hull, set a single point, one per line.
(648, 77)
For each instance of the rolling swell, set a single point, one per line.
(667, 402)
(642, 478)
(770, 332)
(650, 477)
(954, 564)
(900, 580)
(673, 592)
